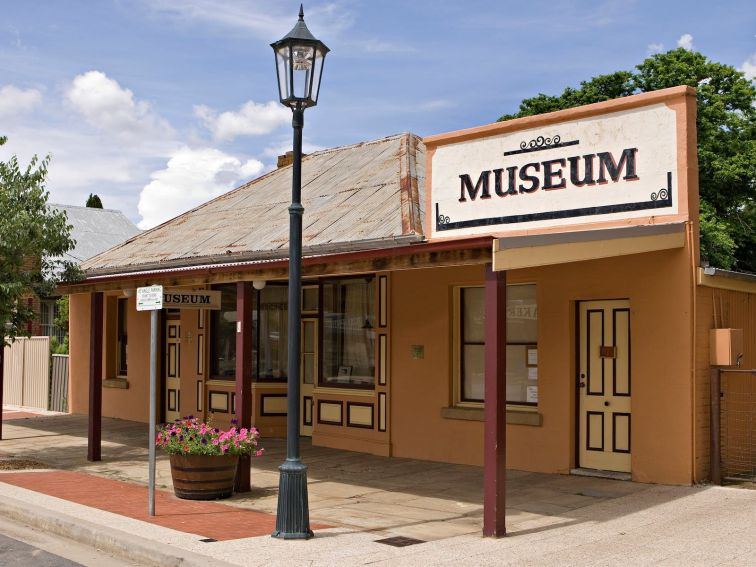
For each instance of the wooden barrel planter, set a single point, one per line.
(203, 477)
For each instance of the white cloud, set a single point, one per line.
(280, 149)
(265, 19)
(685, 41)
(252, 119)
(191, 177)
(14, 101)
(749, 67)
(654, 48)
(110, 107)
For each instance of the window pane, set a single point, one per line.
(522, 314)
(310, 299)
(223, 345)
(348, 332)
(473, 313)
(473, 370)
(272, 337)
(123, 349)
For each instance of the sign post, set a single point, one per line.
(151, 299)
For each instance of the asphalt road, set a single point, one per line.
(22, 545)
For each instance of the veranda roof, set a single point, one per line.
(364, 196)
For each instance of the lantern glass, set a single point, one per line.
(299, 64)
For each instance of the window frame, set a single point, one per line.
(122, 336)
(457, 350)
(320, 383)
(212, 327)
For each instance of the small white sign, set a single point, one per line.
(531, 394)
(532, 357)
(532, 373)
(150, 298)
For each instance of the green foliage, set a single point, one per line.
(33, 238)
(57, 347)
(726, 124)
(61, 321)
(94, 202)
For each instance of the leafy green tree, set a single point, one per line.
(33, 239)
(726, 123)
(94, 202)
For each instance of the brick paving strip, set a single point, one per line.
(10, 414)
(207, 519)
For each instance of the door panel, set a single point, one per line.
(308, 374)
(605, 421)
(172, 370)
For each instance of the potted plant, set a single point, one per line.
(204, 458)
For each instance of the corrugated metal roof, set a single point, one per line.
(95, 230)
(369, 194)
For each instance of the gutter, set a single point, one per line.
(342, 252)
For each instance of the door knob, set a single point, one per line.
(582, 384)
(606, 404)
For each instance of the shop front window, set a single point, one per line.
(271, 323)
(348, 319)
(223, 335)
(123, 343)
(522, 345)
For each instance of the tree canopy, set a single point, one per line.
(33, 239)
(94, 202)
(726, 123)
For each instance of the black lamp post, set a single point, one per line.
(299, 63)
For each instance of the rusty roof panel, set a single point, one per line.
(371, 191)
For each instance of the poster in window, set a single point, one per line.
(532, 394)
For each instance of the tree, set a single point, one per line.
(33, 239)
(726, 123)
(94, 202)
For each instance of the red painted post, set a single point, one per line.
(244, 306)
(94, 433)
(495, 411)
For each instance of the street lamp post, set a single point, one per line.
(299, 65)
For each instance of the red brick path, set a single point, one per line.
(206, 519)
(11, 414)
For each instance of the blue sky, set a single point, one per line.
(159, 105)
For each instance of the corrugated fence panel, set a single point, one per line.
(36, 389)
(59, 383)
(13, 377)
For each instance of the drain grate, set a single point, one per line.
(399, 541)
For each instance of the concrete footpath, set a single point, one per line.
(658, 526)
(432, 510)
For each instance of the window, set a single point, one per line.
(348, 319)
(270, 350)
(122, 354)
(522, 345)
(223, 335)
(49, 310)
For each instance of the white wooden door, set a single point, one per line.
(172, 369)
(604, 385)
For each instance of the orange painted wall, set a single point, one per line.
(659, 286)
(78, 369)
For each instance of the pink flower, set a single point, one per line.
(259, 452)
(216, 441)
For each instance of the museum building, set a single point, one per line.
(536, 279)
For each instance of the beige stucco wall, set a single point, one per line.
(659, 288)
